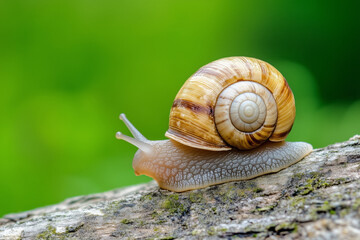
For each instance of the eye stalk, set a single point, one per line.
(139, 141)
(136, 133)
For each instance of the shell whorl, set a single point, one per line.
(205, 113)
(245, 114)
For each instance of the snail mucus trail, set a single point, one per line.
(228, 122)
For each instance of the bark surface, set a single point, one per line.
(317, 198)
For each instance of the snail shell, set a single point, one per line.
(236, 102)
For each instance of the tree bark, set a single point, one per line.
(317, 198)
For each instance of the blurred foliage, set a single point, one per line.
(68, 68)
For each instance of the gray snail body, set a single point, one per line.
(203, 149)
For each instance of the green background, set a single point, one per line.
(69, 68)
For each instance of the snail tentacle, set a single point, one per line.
(139, 141)
(136, 133)
(147, 148)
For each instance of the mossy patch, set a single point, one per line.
(126, 221)
(356, 205)
(310, 184)
(298, 202)
(50, 233)
(173, 205)
(214, 210)
(326, 207)
(148, 197)
(196, 197)
(211, 231)
(298, 175)
(257, 190)
(228, 194)
(339, 181)
(233, 194)
(282, 227)
(154, 214)
(196, 232)
(113, 206)
(74, 228)
(286, 226)
(264, 209)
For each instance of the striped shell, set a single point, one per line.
(232, 102)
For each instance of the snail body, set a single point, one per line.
(228, 122)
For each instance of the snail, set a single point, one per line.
(228, 122)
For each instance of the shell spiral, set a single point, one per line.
(232, 102)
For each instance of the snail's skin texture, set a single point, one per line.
(179, 168)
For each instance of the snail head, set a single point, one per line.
(146, 152)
